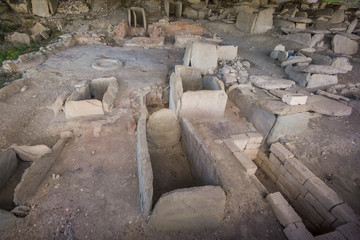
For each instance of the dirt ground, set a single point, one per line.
(96, 195)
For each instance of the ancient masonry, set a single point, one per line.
(211, 78)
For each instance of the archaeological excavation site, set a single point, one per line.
(179, 119)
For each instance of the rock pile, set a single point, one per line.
(320, 26)
(298, 67)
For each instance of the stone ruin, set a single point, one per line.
(213, 77)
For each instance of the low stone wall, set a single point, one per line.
(144, 168)
(321, 208)
(202, 162)
(210, 102)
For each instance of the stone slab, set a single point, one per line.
(83, 108)
(297, 231)
(40, 8)
(245, 21)
(329, 107)
(288, 125)
(240, 140)
(321, 69)
(310, 214)
(204, 56)
(325, 195)
(196, 208)
(249, 166)
(299, 77)
(320, 80)
(302, 38)
(31, 153)
(264, 21)
(283, 211)
(320, 208)
(298, 170)
(344, 214)
(281, 152)
(351, 231)
(281, 108)
(330, 236)
(34, 175)
(7, 220)
(342, 44)
(227, 53)
(268, 83)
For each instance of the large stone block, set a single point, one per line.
(204, 56)
(269, 83)
(351, 231)
(7, 220)
(344, 214)
(302, 38)
(298, 170)
(163, 128)
(246, 162)
(325, 195)
(281, 152)
(330, 236)
(40, 8)
(342, 44)
(288, 125)
(264, 21)
(31, 153)
(328, 106)
(329, 218)
(83, 108)
(227, 53)
(297, 231)
(34, 175)
(283, 211)
(320, 80)
(245, 21)
(191, 78)
(8, 164)
(196, 208)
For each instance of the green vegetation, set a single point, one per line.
(13, 51)
(7, 28)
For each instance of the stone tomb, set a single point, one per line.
(94, 98)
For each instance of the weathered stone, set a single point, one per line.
(189, 209)
(7, 220)
(344, 214)
(31, 153)
(325, 195)
(341, 44)
(21, 211)
(279, 47)
(230, 144)
(316, 38)
(304, 207)
(301, 78)
(40, 8)
(302, 38)
(264, 21)
(36, 37)
(297, 231)
(8, 164)
(338, 16)
(33, 176)
(274, 54)
(45, 34)
(300, 20)
(190, 13)
(294, 99)
(121, 29)
(331, 95)
(19, 38)
(279, 23)
(319, 80)
(342, 63)
(328, 106)
(352, 26)
(53, 4)
(280, 108)
(301, 14)
(330, 236)
(83, 108)
(320, 208)
(227, 53)
(191, 78)
(99, 86)
(240, 140)
(298, 170)
(351, 230)
(246, 162)
(255, 138)
(321, 69)
(39, 28)
(204, 56)
(301, 26)
(268, 83)
(163, 128)
(283, 211)
(288, 125)
(246, 21)
(110, 96)
(145, 172)
(281, 152)
(295, 59)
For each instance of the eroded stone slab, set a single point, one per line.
(189, 209)
(328, 106)
(83, 108)
(268, 83)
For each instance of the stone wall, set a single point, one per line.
(321, 208)
(144, 168)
